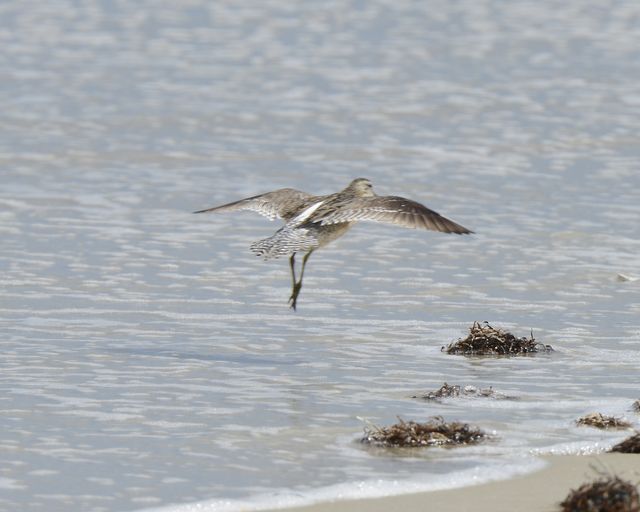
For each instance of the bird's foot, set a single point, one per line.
(294, 295)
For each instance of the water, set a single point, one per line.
(150, 359)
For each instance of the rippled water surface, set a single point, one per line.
(149, 359)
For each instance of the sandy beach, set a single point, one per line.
(539, 491)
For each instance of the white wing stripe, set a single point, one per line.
(306, 213)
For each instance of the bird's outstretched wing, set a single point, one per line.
(392, 210)
(279, 204)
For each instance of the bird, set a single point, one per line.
(311, 222)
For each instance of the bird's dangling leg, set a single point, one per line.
(297, 286)
(292, 266)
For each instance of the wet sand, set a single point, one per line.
(540, 491)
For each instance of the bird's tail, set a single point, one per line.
(285, 242)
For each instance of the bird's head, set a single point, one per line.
(361, 187)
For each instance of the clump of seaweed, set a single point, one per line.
(636, 406)
(483, 339)
(435, 432)
(447, 391)
(629, 445)
(609, 494)
(599, 420)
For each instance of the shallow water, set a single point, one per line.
(150, 359)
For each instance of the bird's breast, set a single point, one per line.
(329, 232)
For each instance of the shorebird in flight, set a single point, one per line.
(311, 222)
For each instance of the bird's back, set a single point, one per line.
(292, 202)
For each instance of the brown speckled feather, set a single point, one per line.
(391, 210)
(285, 204)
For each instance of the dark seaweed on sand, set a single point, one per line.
(609, 494)
(435, 432)
(483, 339)
(599, 420)
(629, 445)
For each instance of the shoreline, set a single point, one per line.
(541, 490)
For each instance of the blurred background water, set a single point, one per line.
(149, 358)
